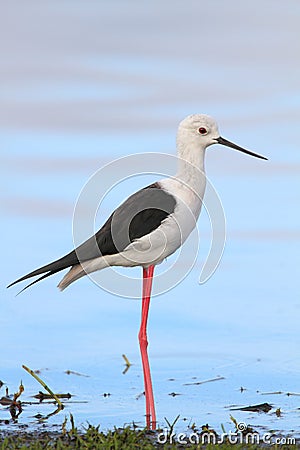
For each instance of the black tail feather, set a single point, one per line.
(52, 272)
(56, 266)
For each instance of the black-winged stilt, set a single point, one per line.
(149, 226)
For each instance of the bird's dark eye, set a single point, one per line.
(202, 130)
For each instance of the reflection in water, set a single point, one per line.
(13, 403)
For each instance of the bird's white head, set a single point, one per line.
(198, 131)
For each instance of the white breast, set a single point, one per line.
(189, 202)
(173, 231)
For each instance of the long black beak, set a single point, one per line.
(223, 141)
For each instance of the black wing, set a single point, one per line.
(140, 214)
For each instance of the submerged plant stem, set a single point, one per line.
(54, 396)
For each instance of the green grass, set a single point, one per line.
(126, 439)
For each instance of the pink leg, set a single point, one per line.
(150, 409)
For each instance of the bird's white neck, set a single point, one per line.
(191, 169)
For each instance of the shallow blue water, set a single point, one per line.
(69, 107)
